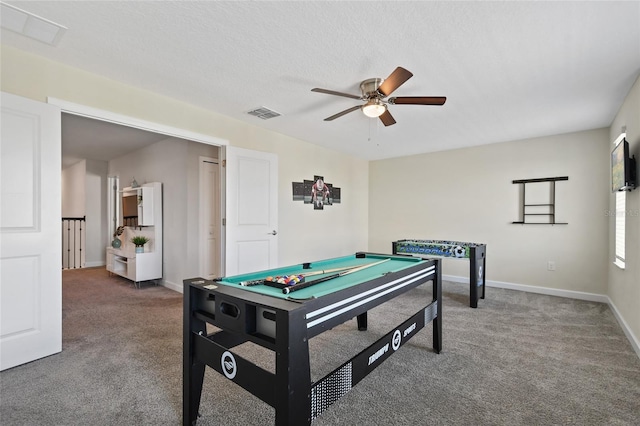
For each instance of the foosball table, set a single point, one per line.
(475, 252)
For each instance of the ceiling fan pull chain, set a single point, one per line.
(373, 123)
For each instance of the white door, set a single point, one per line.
(30, 231)
(209, 218)
(251, 211)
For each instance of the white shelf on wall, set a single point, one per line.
(540, 211)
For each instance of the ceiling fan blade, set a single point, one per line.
(340, 114)
(332, 92)
(395, 80)
(418, 100)
(387, 119)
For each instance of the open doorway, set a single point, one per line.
(108, 148)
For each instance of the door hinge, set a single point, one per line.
(224, 221)
(224, 163)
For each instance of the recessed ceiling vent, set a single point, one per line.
(264, 113)
(30, 25)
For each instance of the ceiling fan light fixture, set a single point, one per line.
(375, 92)
(374, 108)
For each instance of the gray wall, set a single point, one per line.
(624, 285)
(96, 209)
(171, 162)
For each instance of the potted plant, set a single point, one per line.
(139, 241)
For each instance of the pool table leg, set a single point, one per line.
(437, 297)
(193, 371)
(293, 370)
(362, 322)
(484, 272)
(193, 381)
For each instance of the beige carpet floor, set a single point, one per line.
(519, 359)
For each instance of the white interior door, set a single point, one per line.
(251, 211)
(209, 218)
(30, 231)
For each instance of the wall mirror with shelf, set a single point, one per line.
(137, 207)
(130, 210)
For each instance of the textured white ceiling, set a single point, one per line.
(85, 138)
(510, 70)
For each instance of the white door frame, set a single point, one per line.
(124, 120)
(221, 214)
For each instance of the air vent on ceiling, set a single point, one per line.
(30, 25)
(264, 113)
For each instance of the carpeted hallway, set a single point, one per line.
(519, 359)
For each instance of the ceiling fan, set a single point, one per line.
(374, 92)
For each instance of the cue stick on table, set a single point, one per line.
(251, 283)
(306, 284)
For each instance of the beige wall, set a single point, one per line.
(73, 190)
(464, 194)
(468, 195)
(337, 230)
(624, 285)
(305, 234)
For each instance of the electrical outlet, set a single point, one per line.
(551, 265)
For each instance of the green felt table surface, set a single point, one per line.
(394, 264)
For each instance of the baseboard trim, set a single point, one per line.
(172, 286)
(635, 343)
(94, 264)
(580, 295)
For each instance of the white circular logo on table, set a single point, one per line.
(229, 367)
(395, 341)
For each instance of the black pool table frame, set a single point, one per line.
(285, 327)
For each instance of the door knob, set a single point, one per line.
(274, 232)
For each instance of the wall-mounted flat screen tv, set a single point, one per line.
(623, 167)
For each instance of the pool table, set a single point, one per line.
(245, 309)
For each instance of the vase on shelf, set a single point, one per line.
(139, 249)
(116, 243)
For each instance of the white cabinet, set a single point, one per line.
(142, 215)
(134, 266)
